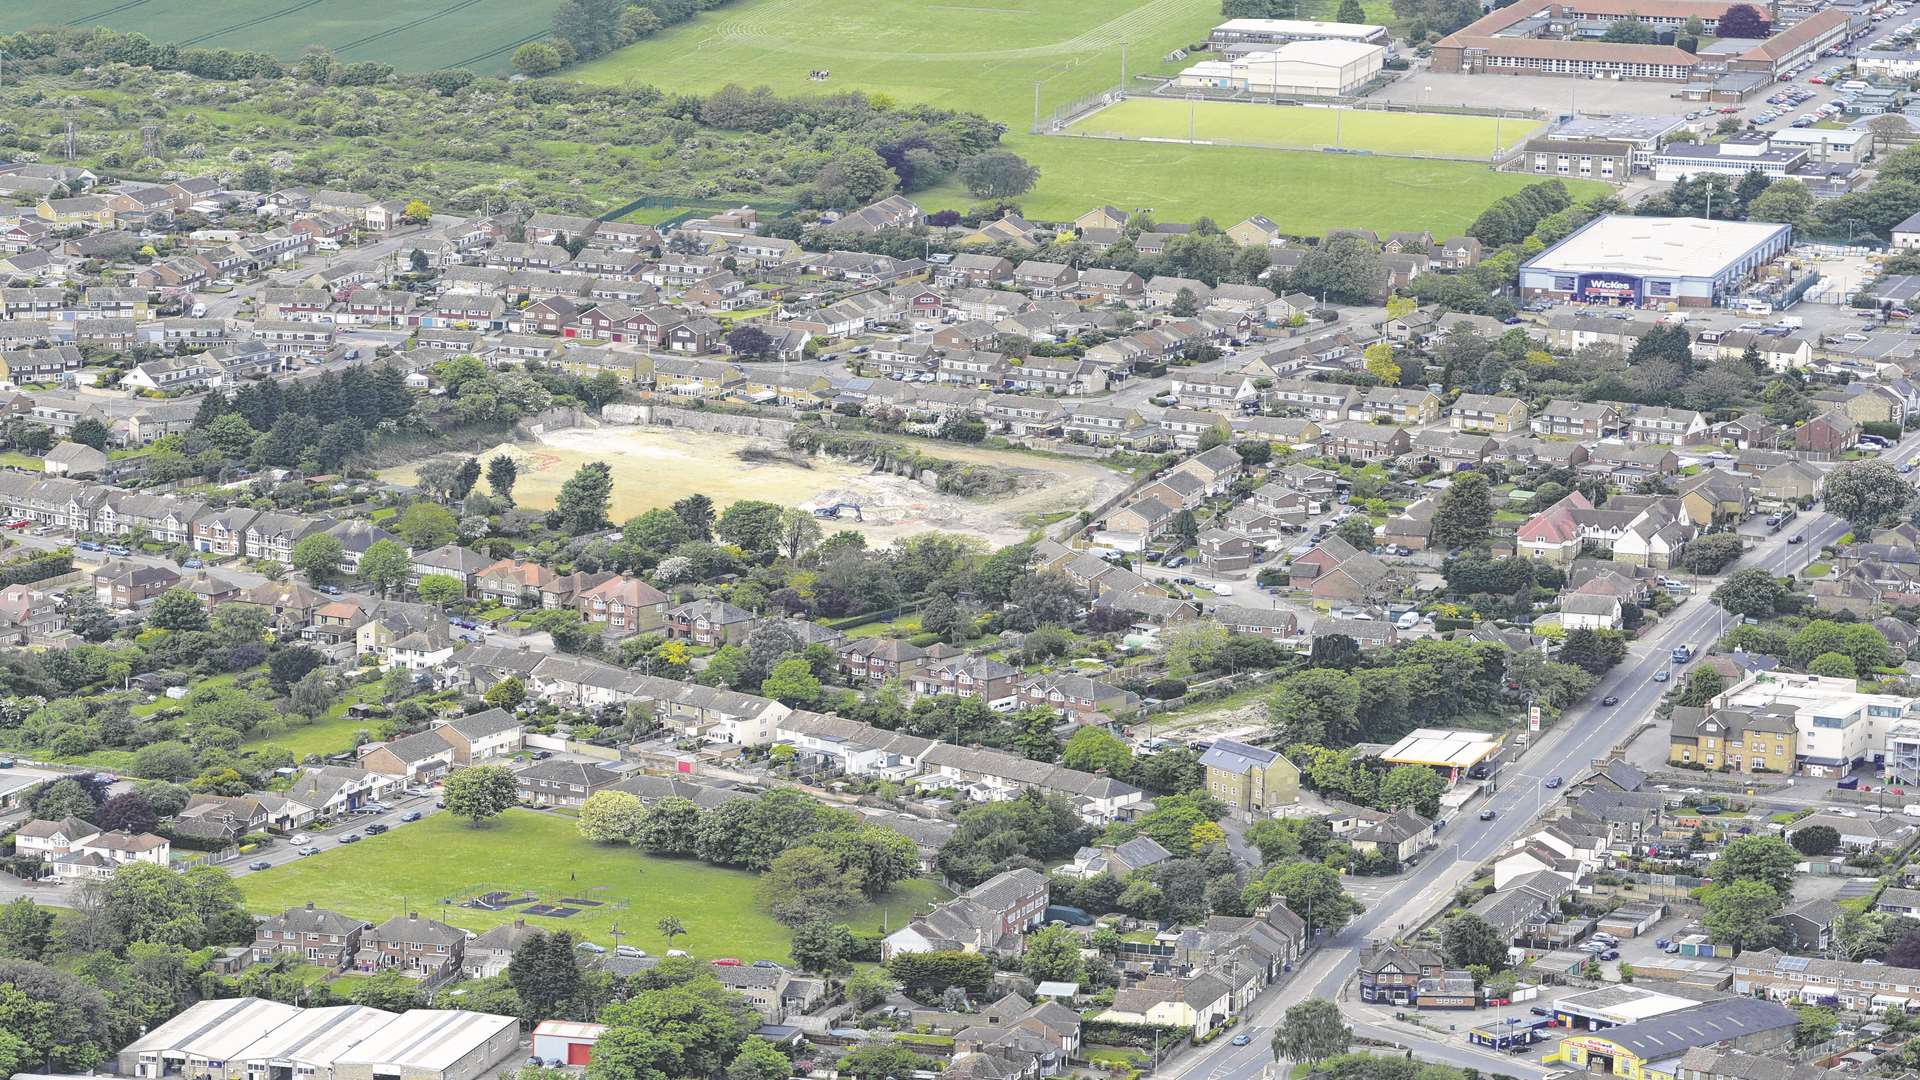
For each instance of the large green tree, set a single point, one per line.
(1741, 914)
(1312, 1031)
(1867, 493)
(479, 793)
(584, 499)
(1464, 515)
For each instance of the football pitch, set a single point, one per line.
(1301, 127)
(412, 35)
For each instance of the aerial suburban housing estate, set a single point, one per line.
(1345, 540)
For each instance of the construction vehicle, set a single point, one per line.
(834, 511)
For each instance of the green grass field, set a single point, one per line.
(984, 57)
(416, 866)
(412, 35)
(937, 53)
(329, 733)
(1305, 193)
(1242, 123)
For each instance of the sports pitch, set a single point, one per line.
(412, 35)
(1301, 127)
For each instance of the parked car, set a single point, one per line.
(119, 549)
(350, 838)
(299, 838)
(726, 961)
(376, 829)
(1797, 538)
(1242, 1039)
(411, 815)
(1662, 675)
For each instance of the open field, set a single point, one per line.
(935, 53)
(654, 466)
(1305, 193)
(330, 733)
(1301, 127)
(412, 35)
(415, 867)
(983, 57)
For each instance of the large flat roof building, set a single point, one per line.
(432, 1044)
(1295, 69)
(204, 1037)
(1450, 752)
(254, 1039)
(1256, 32)
(1638, 261)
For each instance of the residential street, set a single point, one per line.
(1580, 736)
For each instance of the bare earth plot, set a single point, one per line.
(412, 35)
(653, 467)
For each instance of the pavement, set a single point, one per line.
(1583, 734)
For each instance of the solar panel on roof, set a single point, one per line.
(1791, 963)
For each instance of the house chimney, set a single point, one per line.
(519, 924)
(413, 916)
(309, 905)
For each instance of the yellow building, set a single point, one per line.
(1651, 1049)
(1250, 778)
(1737, 740)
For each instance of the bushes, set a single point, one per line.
(38, 566)
(1137, 1036)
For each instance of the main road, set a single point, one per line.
(1584, 733)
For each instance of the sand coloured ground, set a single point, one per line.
(655, 466)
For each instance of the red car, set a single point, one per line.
(20, 524)
(726, 961)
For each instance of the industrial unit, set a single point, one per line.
(1635, 261)
(1299, 69)
(255, 1039)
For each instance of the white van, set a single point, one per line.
(1408, 621)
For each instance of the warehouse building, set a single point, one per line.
(1635, 261)
(254, 1039)
(1296, 69)
(308, 1045)
(1651, 1049)
(432, 1044)
(1241, 35)
(204, 1038)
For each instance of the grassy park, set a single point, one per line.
(1305, 193)
(527, 852)
(1051, 52)
(412, 35)
(1306, 128)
